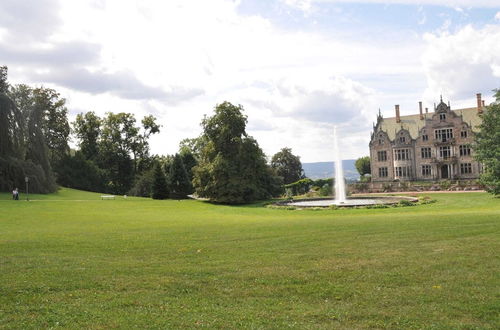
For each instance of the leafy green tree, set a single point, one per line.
(160, 188)
(487, 146)
(140, 143)
(80, 173)
(87, 128)
(118, 146)
(232, 168)
(193, 146)
(363, 165)
(22, 96)
(23, 150)
(115, 145)
(189, 161)
(4, 85)
(55, 121)
(143, 184)
(178, 178)
(287, 165)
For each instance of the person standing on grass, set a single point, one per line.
(16, 194)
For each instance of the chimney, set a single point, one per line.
(426, 110)
(479, 103)
(398, 118)
(421, 112)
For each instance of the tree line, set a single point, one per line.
(223, 164)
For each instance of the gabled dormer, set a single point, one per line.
(443, 112)
(380, 138)
(403, 137)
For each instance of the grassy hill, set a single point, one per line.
(71, 260)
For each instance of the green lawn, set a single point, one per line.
(71, 260)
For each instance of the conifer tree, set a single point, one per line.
(160, 189)
(180, 186)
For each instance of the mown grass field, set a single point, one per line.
(71, 260)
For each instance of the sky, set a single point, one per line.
(298, 67)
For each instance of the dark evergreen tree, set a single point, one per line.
(189, 162)
(80, 173)
(179, 183)
(143, 184)
(159, 189)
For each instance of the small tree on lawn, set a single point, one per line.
(287, 165)
(160, 189)
(363, 166)
(180, 186)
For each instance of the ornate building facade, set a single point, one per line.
(429, 146)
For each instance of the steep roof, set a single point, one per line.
(413, 123)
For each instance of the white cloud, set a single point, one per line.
(177, 59)
(306, 4)
(497, 16)
(461, 64)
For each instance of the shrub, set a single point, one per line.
(326, 190)
(445, 185)
(300, 187)
(377, 206)
(405, 202)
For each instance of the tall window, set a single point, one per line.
(403, 171)
(402, 139)
(464, 150)
(465, 168)
(444, 134)
(426, 152)
(463, 134)
(442, 116)
(426, 170)
(402, 154)
(382, 156)
(425, 137)
(382, 172)
(445, 152)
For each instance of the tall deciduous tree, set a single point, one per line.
(4, 85)
(115, 147)
(232, 168)
(55, 122)
(87, 128)
(23, 150)
(287, 165)
(487, 146)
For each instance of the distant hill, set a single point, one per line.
(322, 170)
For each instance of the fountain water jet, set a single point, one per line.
(340, 195)
(340, 191)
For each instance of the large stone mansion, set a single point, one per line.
(428, 146)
